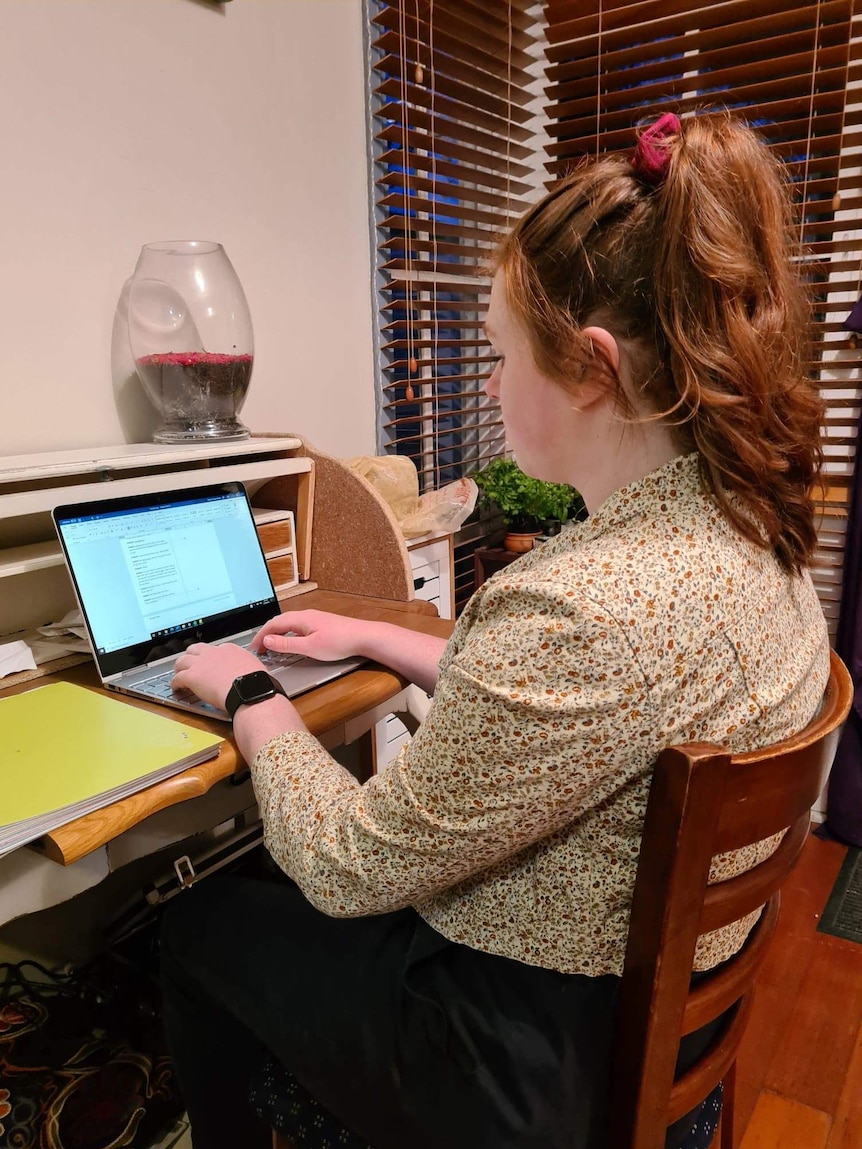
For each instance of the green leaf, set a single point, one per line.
(504, 485)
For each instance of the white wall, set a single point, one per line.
(125, 121)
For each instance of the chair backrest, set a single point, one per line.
(704, 801)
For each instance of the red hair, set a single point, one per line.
(697, 275)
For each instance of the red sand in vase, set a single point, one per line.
(196, 390)
(185, 296)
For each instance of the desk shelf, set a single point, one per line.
(42, 498)
(32, 485)
(33, 557)
(43, 466)
(41, 556)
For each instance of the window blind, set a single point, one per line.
(786, 68)
(454, 162)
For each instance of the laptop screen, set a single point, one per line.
(154, 573)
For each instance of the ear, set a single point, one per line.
(604, 347)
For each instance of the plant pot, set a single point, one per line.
(519, 542)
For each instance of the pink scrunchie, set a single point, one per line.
(650, 160)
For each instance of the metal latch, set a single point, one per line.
(185, 871)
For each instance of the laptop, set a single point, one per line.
(155, 573)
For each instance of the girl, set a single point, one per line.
(441, 971)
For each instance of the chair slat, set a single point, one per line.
(765, 797)
(699, 1081)
(728, 901)
(708, 999)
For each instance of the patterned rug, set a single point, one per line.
(83, 1063)
(842, 916)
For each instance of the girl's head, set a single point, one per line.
(685, 258)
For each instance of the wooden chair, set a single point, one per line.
(704, 801)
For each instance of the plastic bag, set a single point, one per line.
(441, 510)
(395, 479)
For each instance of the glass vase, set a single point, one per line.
(191, 337)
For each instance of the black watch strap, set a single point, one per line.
(249, 689)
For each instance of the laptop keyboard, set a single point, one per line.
(159, 686)
(273, 659)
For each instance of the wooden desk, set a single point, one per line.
(323, 709)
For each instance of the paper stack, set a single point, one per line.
(66, 751)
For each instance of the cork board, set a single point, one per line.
(357, 546)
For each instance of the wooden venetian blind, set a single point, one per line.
(786, 68)
(453, 162)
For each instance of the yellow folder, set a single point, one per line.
(66, 750)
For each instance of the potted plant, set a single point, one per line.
(525, 503)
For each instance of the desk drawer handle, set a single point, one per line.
(418, 583)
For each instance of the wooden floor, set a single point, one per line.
(800, 1068)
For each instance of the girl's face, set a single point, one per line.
(537, 411)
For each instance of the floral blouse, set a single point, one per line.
(512, 820)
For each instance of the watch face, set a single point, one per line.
(254, 687)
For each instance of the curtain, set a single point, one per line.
(844, 805)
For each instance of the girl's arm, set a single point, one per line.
(326, 636)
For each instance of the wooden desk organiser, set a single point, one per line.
(357, 544)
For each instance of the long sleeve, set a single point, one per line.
(520, 738)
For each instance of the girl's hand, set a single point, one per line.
(209, 671)
(319, 634)
(315, 633)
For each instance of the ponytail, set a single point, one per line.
(734, 319)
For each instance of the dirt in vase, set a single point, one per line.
(196, 386)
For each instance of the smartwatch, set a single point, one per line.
(249, 689)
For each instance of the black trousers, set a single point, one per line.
(411, 1041)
